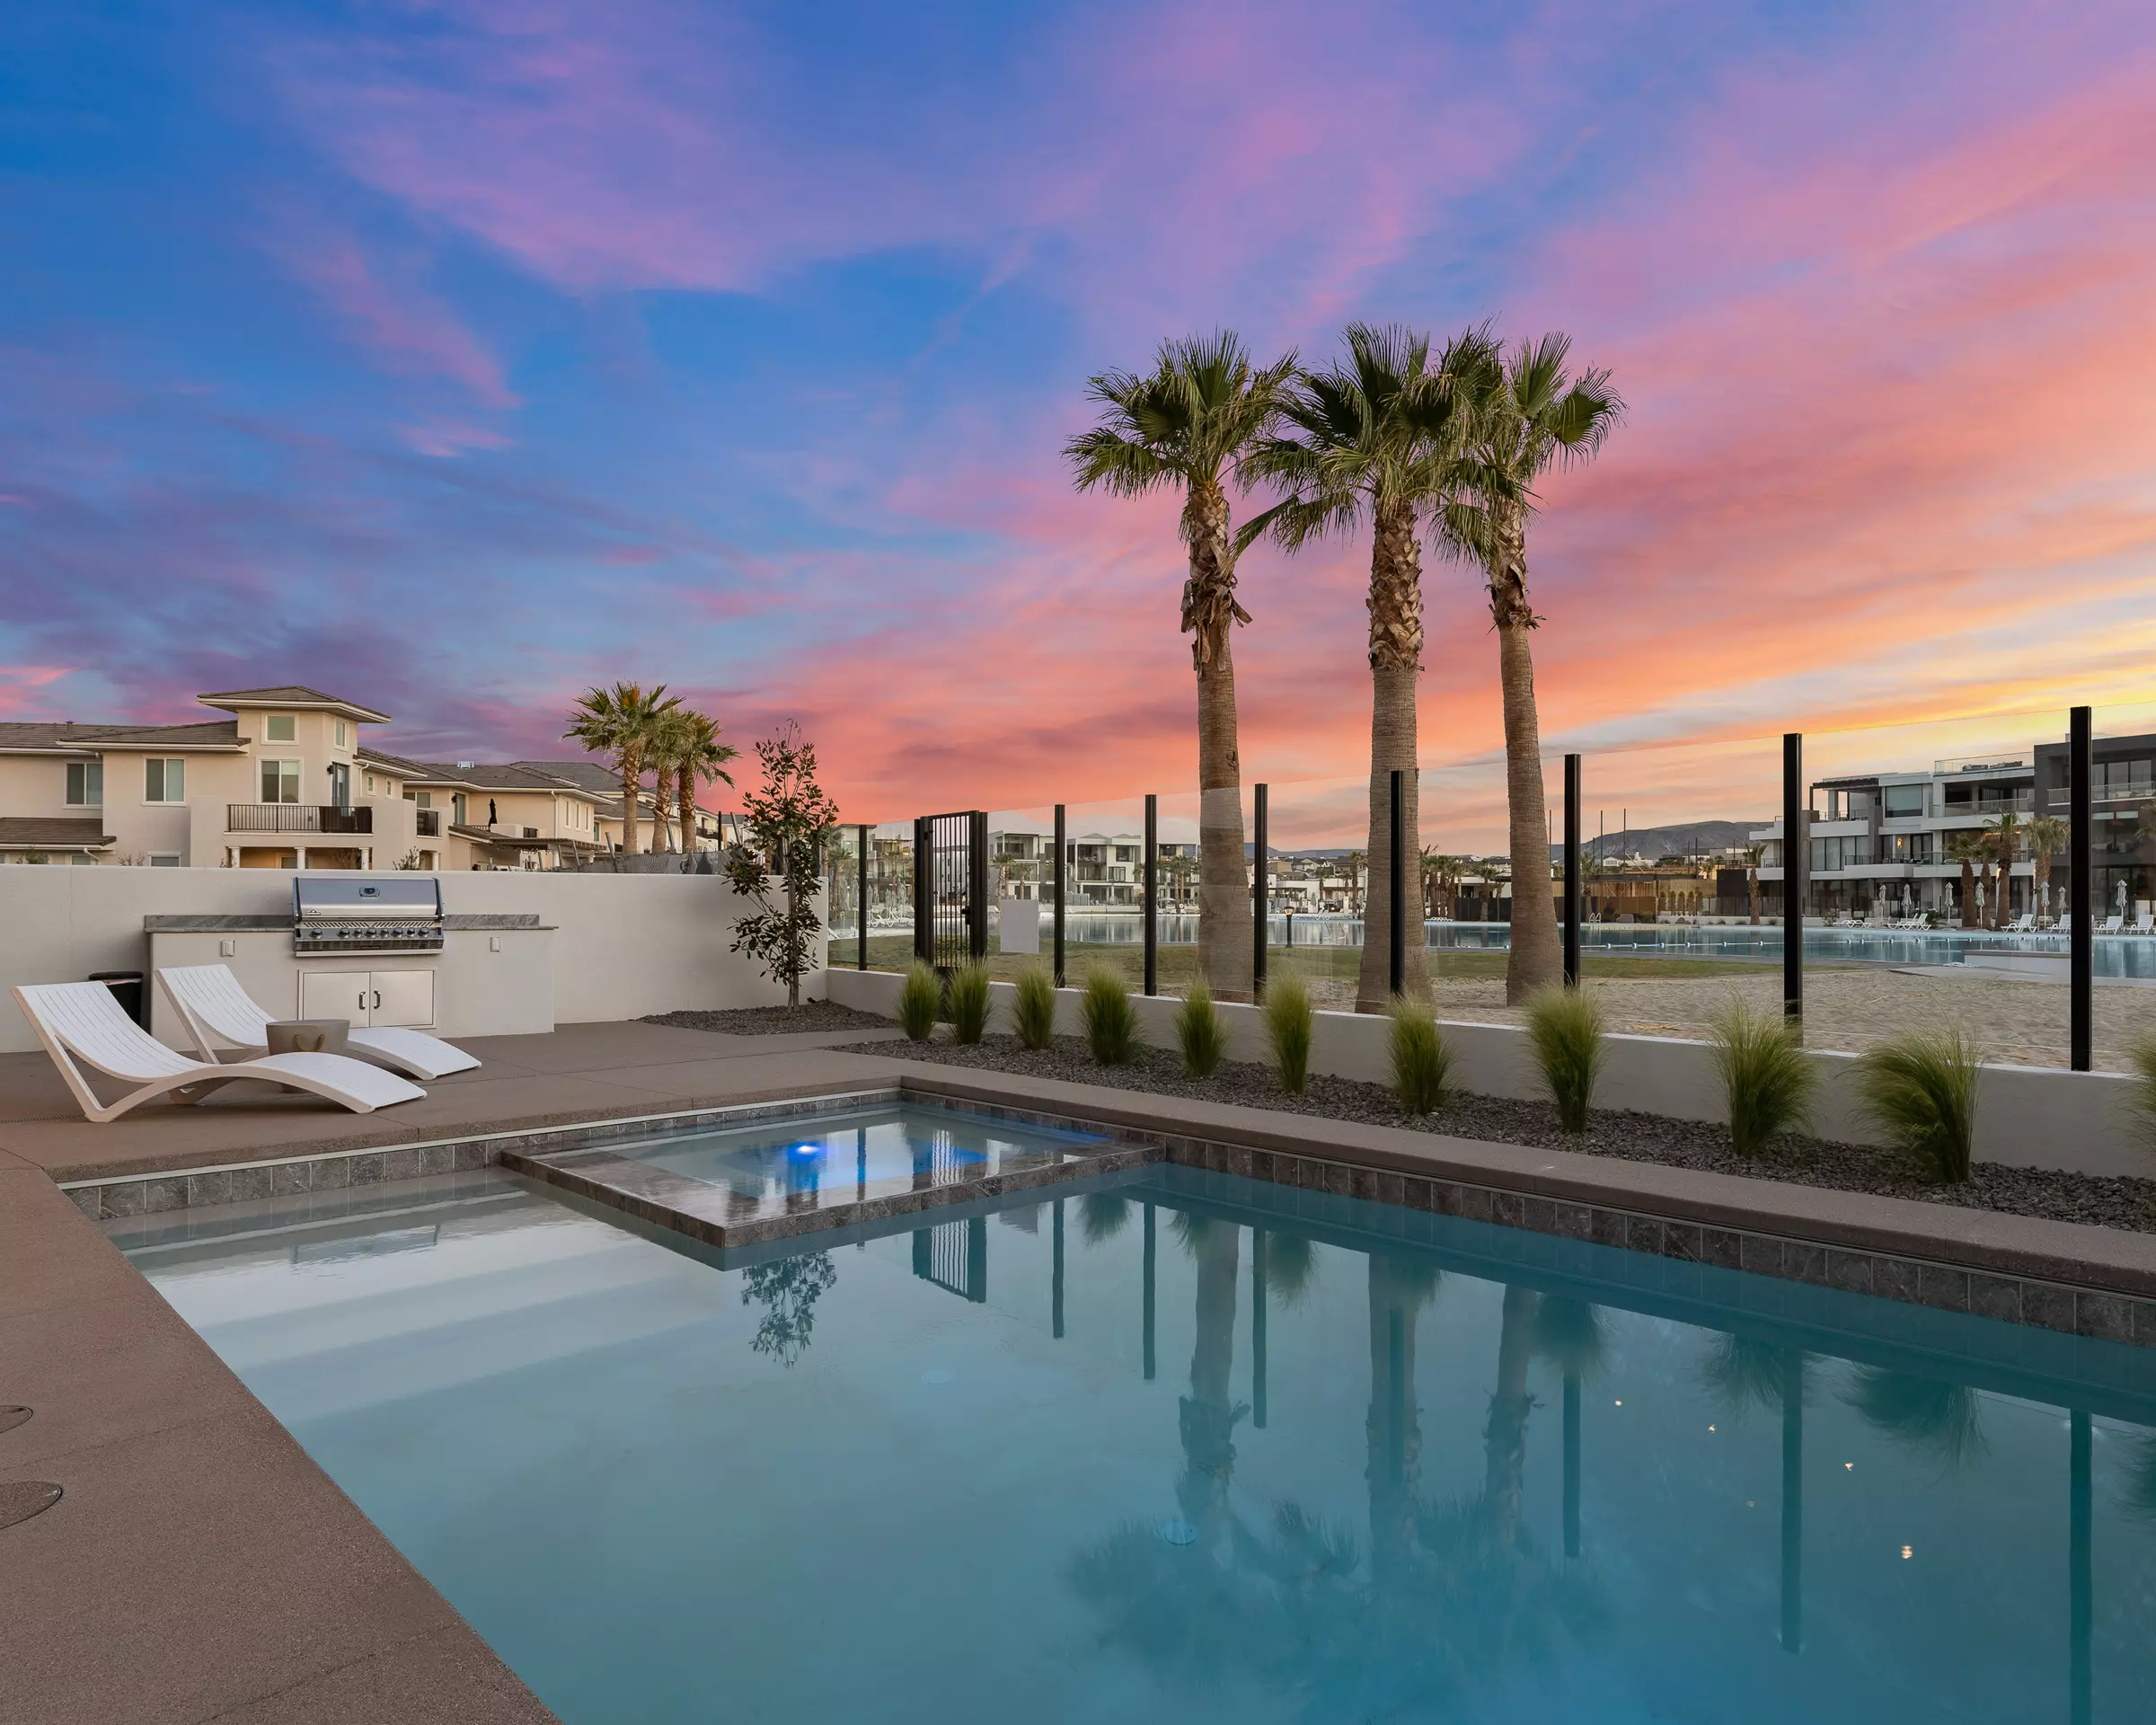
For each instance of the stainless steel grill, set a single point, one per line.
(355, 913)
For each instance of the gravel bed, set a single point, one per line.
(810, 1015)
(2107, 1201)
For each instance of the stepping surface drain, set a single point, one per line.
(1179, 1532)
(10, 1417)
(22, 1499)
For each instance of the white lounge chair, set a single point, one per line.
(2145, 923)
(82, 1020)
(213, 1003)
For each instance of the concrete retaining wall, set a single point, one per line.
(625, 945)
(2031, 1117)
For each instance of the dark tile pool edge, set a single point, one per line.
(1936, 1281)
(154, 1191)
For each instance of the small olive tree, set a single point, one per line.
(773, 866)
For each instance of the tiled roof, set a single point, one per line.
(290, 694)
(66, 832)
(485, 776)
(395, 765)
(587, 774)
(210, 733)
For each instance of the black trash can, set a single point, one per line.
(127, 990)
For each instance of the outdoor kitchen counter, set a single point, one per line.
(282, 924)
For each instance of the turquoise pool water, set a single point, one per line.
(1192, 1449)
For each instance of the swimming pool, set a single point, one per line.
(1192, 1448)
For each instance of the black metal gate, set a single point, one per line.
(950, 888)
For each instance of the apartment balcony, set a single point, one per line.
(297, 818)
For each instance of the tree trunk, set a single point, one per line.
(1207, 1416)
(632, 773)
(1395, 603)
(1536, 959)
(1505, 1438)
(685, 784)
(1394, 1426)
(1752, 884)
(1968, 895)
(1209, 616)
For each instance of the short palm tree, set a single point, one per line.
(1530, 413)
(1968, 849)
(2046, 835)
(620, 722)
(2004, 834)
(699, 757)
(1752, 852)
(1378, 440)
(1188, 424)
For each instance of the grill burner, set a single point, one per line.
(353, 914)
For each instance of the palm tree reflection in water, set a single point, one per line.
(1453, 1596)
(1770, 1375)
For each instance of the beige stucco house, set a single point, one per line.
(285, 783)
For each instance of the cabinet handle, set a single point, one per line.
(362, 1000)
(377, 1000)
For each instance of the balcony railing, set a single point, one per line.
(297, 818)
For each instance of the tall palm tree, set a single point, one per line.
(2046, 835)
(1530, 413)
(700, 758)
(2004, 833)
(1378, 441)
(1968, 849)
(1189, 423)
(662, 748)
(620, 722)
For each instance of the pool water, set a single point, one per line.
(778, 1166)
(1188, 1448)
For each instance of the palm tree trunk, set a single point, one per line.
(685, 790)
(633, 774)
(1536, 960)
(1395, 603)
(1209, 615)
(1392, 1428)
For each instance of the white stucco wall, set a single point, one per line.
(623, 946)
(2031, 1117)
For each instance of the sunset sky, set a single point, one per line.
(453, 356)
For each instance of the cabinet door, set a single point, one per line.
(402, 997)
(335, 993)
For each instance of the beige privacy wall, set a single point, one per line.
(2033, 1117)
(623, 946)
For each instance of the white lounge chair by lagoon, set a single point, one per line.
(214, 1006)
(2113, 924)
(81, 1020)
(2145, 923)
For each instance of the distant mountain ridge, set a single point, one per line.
(1687, 838)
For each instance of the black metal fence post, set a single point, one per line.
(1260, 899)
(1795, 853)
(2080, 873)
(1152, 873)
(1060, 885)
(862, 957)
(1572, 880)
(1396, 896)
(924, 903)
(977, 884)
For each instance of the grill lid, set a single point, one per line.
(355, 898)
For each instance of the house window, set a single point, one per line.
(165, 859)
(456, 807)
(82, 861)
(86, 784)
(340, 785)
(280, 728)
(281, 781)
(163, 781)
(1904, 801)
(424, 798)
(340, 733)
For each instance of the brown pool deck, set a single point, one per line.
(201, 1567)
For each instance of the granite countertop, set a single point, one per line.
(282, 924)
